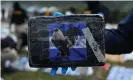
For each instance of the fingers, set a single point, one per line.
(73, 68)
(53, 71)
(64, 70)
(58, 14)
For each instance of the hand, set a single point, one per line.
(64, 69)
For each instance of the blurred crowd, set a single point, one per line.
(14, 32)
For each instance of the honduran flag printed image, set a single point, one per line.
(67, 42)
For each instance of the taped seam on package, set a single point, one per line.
(93, 44)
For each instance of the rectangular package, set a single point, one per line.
(74, 40)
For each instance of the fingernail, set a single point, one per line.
(73, 68)
(64, 70)
(53, 71)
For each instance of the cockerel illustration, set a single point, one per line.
(61, 42)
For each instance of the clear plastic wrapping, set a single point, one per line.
(74, 40)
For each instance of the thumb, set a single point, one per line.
(58, 14)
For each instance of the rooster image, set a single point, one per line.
(63, 43)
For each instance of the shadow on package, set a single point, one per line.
(74, 40)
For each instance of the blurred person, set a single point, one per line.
(3, 14)
(96, 7)
(24, 43)
(41, 11)
(45, 11)
(120, 41)
(8, 53)
(116, 14)
(18, 18)
(7, 41)
(117, 41)
(71, 11)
